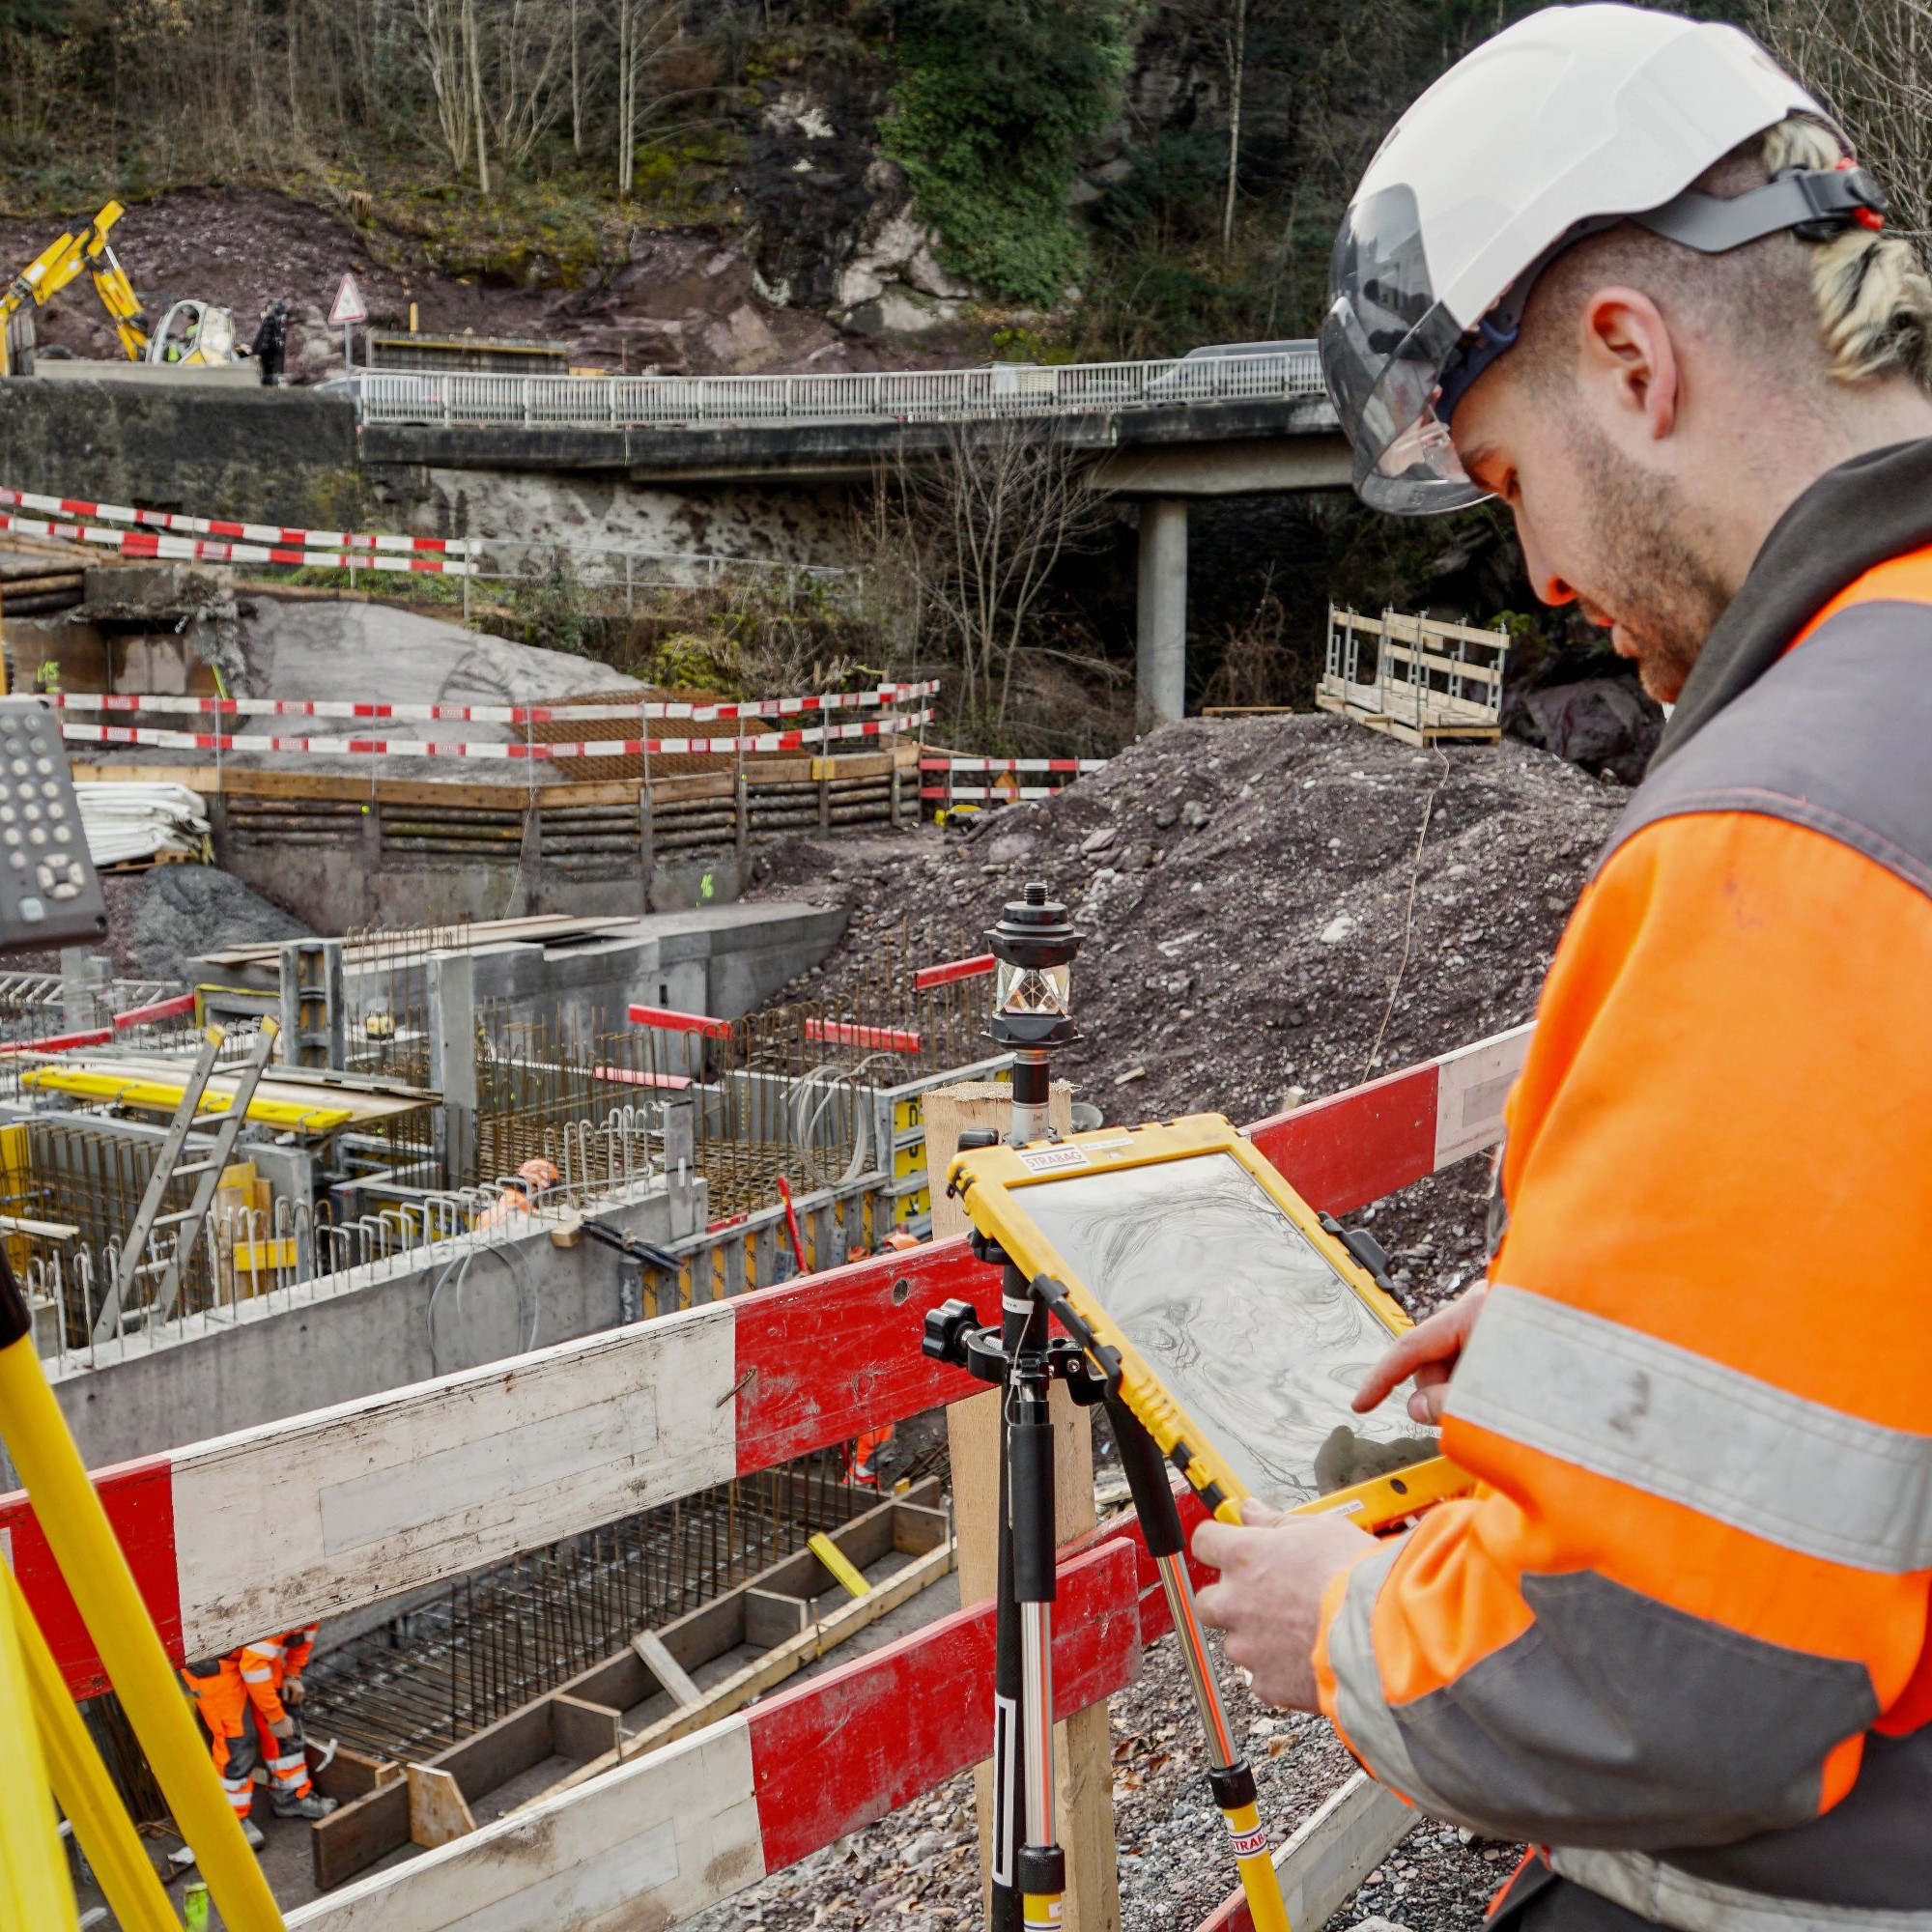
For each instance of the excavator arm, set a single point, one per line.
(59, 264)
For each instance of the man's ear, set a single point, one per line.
(1627, 348)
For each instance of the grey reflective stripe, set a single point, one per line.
(1667, 1897)
(1623, 1403)
(1360, 1707)
(1832, 737)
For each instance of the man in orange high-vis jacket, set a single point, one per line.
(270, 1670)
(1617, 271)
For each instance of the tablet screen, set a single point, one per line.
(1239, 1315)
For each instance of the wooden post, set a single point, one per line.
(1082, 1752)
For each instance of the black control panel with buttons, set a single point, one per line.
(49, 892)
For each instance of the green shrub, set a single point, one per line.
(996, 99)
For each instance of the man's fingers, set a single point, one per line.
(1257, 1515)
(1427, 1350)
(1215, 1542)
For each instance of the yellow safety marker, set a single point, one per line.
(97, 1573)
(838, 1563)
(162, 1096)
(86, 1793)
(34, 1885)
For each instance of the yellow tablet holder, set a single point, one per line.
(993, 1183)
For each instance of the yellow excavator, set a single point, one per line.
(192, 332)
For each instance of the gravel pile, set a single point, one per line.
(1247, 889)
(171, 915)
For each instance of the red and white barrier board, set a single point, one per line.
(207, 549)
(276, 534)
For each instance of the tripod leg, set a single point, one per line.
(1019, 1314)
(1042, 1864)
(1230, 1777)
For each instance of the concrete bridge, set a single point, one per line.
(734, 465)
(1164, 432)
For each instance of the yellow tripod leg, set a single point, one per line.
(84, 1789)
(34, 1885)
(84, 1545)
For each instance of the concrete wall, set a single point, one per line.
(270, 1361)
(266, 455)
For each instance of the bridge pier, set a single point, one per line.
(1160, 649)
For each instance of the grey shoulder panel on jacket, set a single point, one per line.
(1836, 736)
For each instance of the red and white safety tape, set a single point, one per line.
(491, 713)
(140, 543)
(277, 535)
(947, 762)
(511, 750)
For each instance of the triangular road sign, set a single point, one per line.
(348, 305)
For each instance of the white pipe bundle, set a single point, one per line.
(140, 821)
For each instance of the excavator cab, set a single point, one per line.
(193, 331)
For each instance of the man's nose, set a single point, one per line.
(1544, 578)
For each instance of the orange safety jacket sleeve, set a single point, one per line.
(298, 1646)
(1699, 1396)
(261, 1674)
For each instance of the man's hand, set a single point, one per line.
(293, 1693)
(1274, 1568)
(1428, 1352)
(285, 1729)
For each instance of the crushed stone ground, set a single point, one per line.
(164, 918)
(1247, 887)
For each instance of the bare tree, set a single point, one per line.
(992, 517)
(1237, 60)
(442, 50)
(1870, 63)
(647, 30)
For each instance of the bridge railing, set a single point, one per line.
(462, 397)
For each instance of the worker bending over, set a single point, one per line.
(257, 1688)
(1620, 272)
(521, 1192)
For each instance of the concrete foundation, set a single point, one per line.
(362, 1332)
(1160, 659)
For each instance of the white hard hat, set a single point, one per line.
(1569, 122)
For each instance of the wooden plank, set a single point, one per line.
(771, 1620)
(666, 1668)
(45, 1230)
(378, 1495)
(1450, 667)
(649, 1846)
(916, 1529)
(349, 1774)
(438, 1813)
(362, 1833)
(499, 1751)
(584, 1730)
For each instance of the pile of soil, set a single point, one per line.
(1248, 888)
(160, 921)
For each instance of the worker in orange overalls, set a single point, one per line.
(272, 1674)
(862, 1470)
(521, 1192)
(244, 1698)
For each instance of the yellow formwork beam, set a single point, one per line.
(163, 1096)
